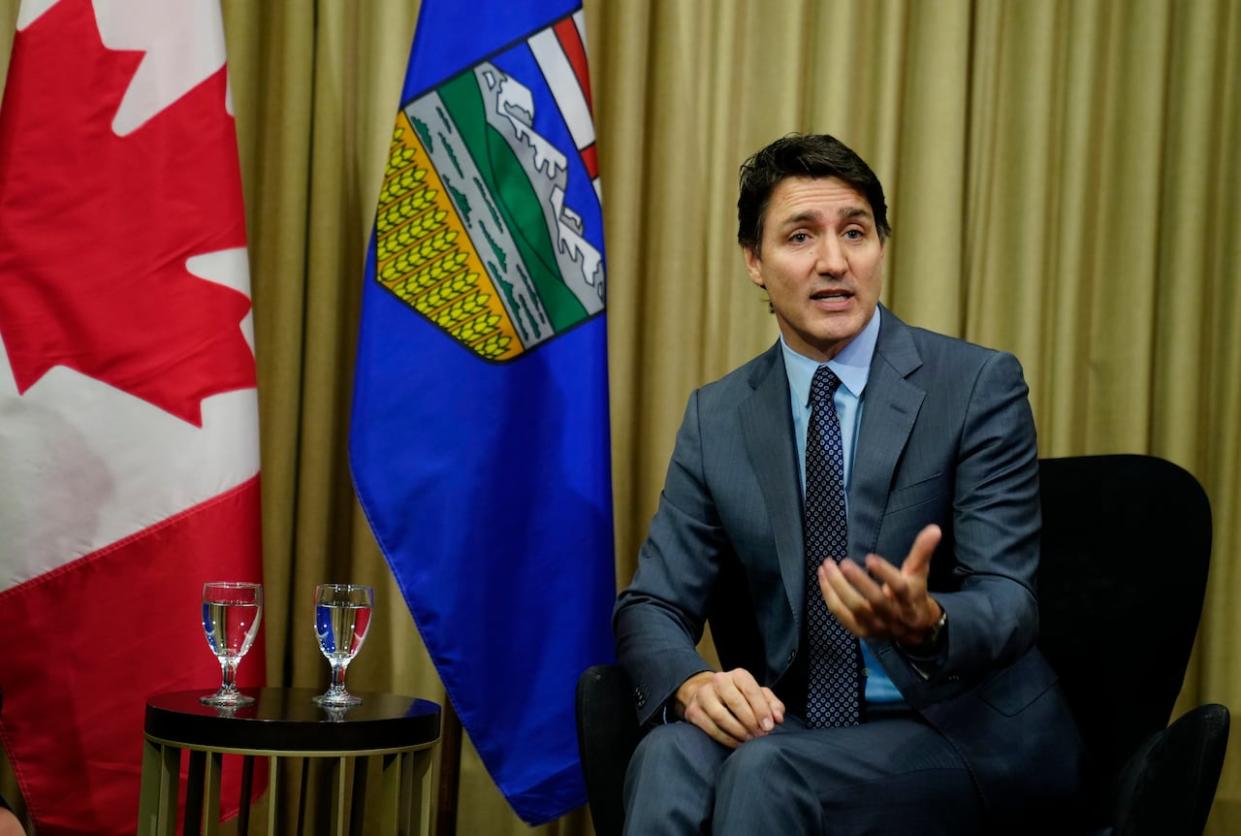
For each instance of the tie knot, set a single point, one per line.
(824, 385)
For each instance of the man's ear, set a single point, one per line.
(754, 266)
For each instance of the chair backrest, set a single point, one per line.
(1126, 546)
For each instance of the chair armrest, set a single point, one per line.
(1167, 786)
(607, 734)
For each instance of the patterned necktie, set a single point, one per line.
(834, 664)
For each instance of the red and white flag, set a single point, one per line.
(128, 414)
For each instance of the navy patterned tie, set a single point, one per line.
(834, 663)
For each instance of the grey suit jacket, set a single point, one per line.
(946, 437)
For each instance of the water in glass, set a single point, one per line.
(341, 628)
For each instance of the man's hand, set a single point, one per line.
(887, 603)
(730, 706)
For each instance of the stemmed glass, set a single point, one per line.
(342, 619)
(231, 615)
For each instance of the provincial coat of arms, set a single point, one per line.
(476, 227)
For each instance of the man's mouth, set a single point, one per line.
(831, 299)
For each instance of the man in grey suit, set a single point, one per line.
(891, 688)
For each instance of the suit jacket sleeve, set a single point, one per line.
(994, 523)
(659, 618)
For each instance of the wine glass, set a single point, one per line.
(342, 619)
(231, 615)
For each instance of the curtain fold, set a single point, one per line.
(1063, 180)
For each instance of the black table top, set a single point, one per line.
(285, 720)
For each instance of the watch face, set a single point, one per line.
(938, 628)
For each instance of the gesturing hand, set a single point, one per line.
(730, 706)
(888, 603)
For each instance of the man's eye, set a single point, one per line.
(799, 237)
(854, 234)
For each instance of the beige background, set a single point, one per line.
(1064, 183)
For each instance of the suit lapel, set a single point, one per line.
(891, 407)
(767, 427)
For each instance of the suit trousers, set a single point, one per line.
(895, 775)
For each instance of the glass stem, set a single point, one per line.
(338, 676)
(229, 669)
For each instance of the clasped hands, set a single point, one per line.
(880, 601)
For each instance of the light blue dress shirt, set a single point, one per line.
(852, 366)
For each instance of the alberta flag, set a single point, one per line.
(128, 413)
(479, 442)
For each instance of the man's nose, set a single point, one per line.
(831, 260)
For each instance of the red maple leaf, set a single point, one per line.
(95, 228)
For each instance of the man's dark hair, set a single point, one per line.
(802, 155)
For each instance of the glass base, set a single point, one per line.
(336, 698)
(226, 698)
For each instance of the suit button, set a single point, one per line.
(952, 677)
(792, 656)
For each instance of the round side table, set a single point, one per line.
(389, 734)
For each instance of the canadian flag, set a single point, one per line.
(128, 413)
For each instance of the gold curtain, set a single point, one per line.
(1064, 183)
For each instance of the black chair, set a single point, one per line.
(1126, 545)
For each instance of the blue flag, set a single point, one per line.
(479, 441)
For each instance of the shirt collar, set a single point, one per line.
(851, 365)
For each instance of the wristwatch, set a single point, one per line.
(933, 641)
(938, 630)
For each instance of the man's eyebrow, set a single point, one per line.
(801, 217)
(854, 212)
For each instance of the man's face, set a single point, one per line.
(821, 263)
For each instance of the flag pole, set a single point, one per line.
(450, 772)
